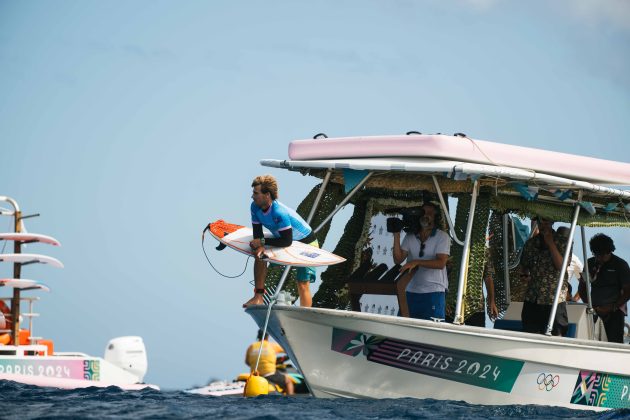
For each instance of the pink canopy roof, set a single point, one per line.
(464, 149)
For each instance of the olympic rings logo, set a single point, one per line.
(547, 381)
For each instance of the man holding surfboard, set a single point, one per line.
(286, 226)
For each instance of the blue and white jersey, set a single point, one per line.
(279, 217)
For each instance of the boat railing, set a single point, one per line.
(30, 315)
(24, 350)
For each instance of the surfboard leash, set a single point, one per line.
(219, 248)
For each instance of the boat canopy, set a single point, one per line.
(387, 174)
(458, 171)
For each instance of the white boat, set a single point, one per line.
(220, 389)
(353, 354)
(33, 360)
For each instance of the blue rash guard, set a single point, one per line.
(279, 217)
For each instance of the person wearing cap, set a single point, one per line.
(541, 262)
(610, 286)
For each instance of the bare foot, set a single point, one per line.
(256, 300)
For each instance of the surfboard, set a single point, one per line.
(29, 237)
(31, 258)
(298, 254)
(23, 284)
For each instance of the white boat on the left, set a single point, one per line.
(33, 360)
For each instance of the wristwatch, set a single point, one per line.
(262, 241)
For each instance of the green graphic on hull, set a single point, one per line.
(598, 389)
(476, 369)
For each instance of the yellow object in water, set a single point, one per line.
(256, 385)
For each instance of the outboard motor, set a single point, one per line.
(128, 353)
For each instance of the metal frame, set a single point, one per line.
(463, 268)
(563, 271)
(447, 216)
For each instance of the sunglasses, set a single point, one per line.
(422, 250)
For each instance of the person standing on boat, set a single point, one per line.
(267, 363)
(541, 263)
(610, 286)
(478, 319)
(286, 226)
(426, 252)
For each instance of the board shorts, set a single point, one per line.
(277, 378)
(305, 274)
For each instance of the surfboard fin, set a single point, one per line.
(221, 246)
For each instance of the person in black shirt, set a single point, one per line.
(610, 286)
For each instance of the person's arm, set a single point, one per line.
(399, 253)
(256, 244)
(489, 282)
(247, 355)
(625, 295)
(625, 286)
(277, 347)
(285, 239)
(441, 255)
(556, 257)
(438, 263)
(257, 230)
(581, 293)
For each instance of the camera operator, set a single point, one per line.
(426, 249)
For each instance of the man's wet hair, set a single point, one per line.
(601, 244)
(268, 184)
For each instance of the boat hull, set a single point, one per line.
(359, 355)
(67, 372)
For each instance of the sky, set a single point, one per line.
(130, 125)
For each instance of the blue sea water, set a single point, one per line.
(19, 401)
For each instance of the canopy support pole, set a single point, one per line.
(343, 202)
(586, 275)
(506, 259)
(463, 268)
(447, 216)
(563, 270)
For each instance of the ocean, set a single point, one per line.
(19, 401)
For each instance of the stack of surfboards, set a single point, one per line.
(27, 258)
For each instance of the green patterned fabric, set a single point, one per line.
(474, 286)
(517, 287)
(558, 212)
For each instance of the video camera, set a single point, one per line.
(410, 222)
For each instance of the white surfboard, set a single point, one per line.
(31, 258)
(29, 237)
(23, 284)
(298, 254)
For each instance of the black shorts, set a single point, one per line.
(278, 379)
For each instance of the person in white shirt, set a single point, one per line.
(426, 252)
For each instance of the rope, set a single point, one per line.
(203, 236)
